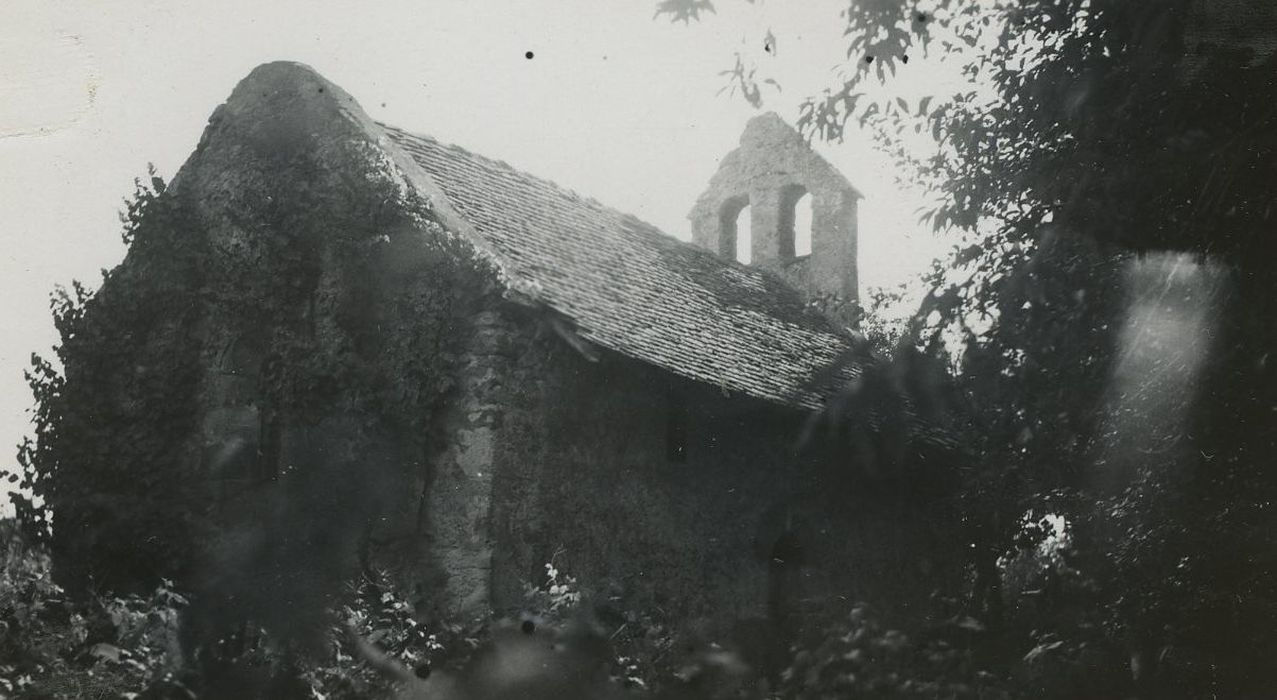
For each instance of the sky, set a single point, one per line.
(614, 104)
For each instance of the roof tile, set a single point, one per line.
(633, 289)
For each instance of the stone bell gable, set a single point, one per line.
(771, 171)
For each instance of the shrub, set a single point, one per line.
(55, 646)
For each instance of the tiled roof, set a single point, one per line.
(633, 289)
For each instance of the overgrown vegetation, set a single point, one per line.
(121, 486)
(1108, 314)
(1111, 522)
(59, 646)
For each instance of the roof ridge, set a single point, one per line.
(507, 166)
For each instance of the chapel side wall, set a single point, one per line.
(455, 525)
(584, 479)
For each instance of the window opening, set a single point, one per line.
(795, 222)
(744, 238)
(736, 239)
(802, 226)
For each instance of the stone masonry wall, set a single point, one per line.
(769, 172)
(585, 478)
(346, 416)
(456, 517)
(746, 525)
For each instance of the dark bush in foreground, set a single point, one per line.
(566, 645)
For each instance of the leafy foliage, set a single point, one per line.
(857, 657)
(103, 458)
(1090, 130)
(55, 646)
(267, 311)
(684, 10)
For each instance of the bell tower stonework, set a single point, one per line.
(771, 171)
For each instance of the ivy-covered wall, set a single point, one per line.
(269, 392)
(666, 493)
(674, 496)
(342, 347)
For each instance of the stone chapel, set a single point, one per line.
(625, 404)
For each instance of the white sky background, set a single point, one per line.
(614, 104)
